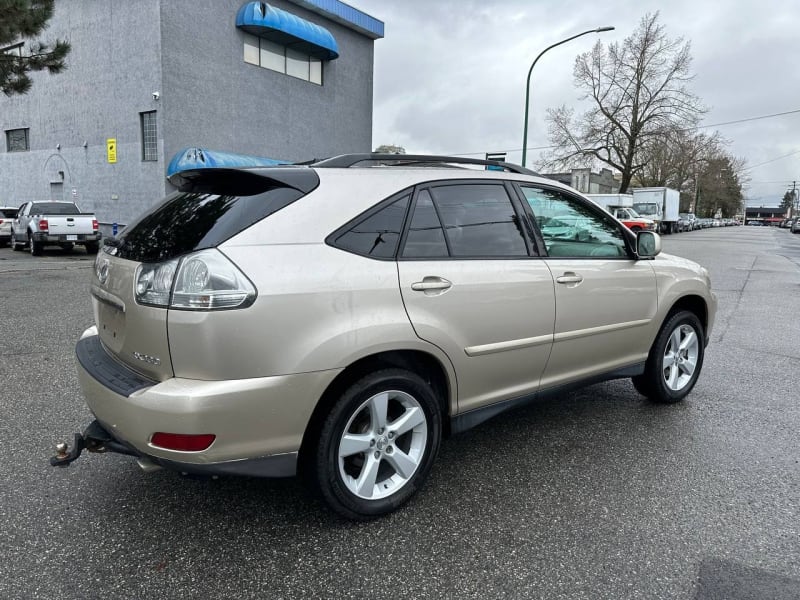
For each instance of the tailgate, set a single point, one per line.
(135, 335)
(65, 225)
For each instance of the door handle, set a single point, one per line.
(569, 277)
(431, 284)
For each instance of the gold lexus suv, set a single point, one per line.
(338, 319)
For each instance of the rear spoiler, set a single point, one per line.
(245, 181)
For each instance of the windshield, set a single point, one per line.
(633, 213)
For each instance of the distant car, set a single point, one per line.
(756, 223)
(689, 221)
(795, 226)
(7, 214)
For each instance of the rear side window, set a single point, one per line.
(53, 208)
(465, 221)
(188, 221)
(425, 234)
(377, 235)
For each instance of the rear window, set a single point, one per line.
(54, 208)
(8, 213)
(188, 221)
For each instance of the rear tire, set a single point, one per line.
(377, 444)
(675, 360)
(36, 247)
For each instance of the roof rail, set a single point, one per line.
(345, 161)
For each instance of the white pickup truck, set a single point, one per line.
(52, 223)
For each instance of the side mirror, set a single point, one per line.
(648, 244)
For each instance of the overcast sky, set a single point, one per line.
(450, 74)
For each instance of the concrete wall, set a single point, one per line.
(193, 55)
(113, 68)
(213, 99)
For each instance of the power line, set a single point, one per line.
(745, 120)
(772, 160)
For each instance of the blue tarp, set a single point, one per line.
(268, 22)
(191, 159)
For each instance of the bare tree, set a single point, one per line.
(640, 93)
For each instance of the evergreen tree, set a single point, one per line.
(20, 22)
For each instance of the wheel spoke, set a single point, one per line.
(407, 421)
(675, 341)
(669, 360)
(402, 463)
(689, 341)
(365, 484)
(378, 407)
(688, 366)
(354, 444)
(672, 378)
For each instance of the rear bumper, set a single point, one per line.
(258, 423)
(78, 238)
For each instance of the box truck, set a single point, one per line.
(660, 204)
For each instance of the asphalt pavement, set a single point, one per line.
(597, 494)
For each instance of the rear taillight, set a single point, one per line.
(205, 280)
(44, 225)
(94, 224)
(183, 442)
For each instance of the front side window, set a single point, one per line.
(149, 136)
(17, 140)
(571, 229)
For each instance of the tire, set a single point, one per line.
(664, 380)
(92, 247)
(14, 246)
(36, 247)
(378, 470)
(636, 229)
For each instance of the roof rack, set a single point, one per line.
(345, 161)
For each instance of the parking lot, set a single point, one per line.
(598, 494)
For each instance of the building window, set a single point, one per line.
(269, 55)
(17, 140)
(149, 136)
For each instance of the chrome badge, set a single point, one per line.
(150, 360)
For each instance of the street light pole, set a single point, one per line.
(528, 84)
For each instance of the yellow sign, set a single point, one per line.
(111, 147)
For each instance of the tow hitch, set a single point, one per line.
(94, 439)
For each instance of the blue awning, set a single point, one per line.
(191, 159)
(281, 27)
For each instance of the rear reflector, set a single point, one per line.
(182, 441)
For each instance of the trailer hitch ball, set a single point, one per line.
(62, 449)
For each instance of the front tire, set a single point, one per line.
(377, 445)
(675, 360)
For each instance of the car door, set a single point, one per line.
(19, 224)
(472, 285)
(605, 297)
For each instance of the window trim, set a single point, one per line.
(627, 235)
(309, 59)
(27, 131)
(144, 137)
